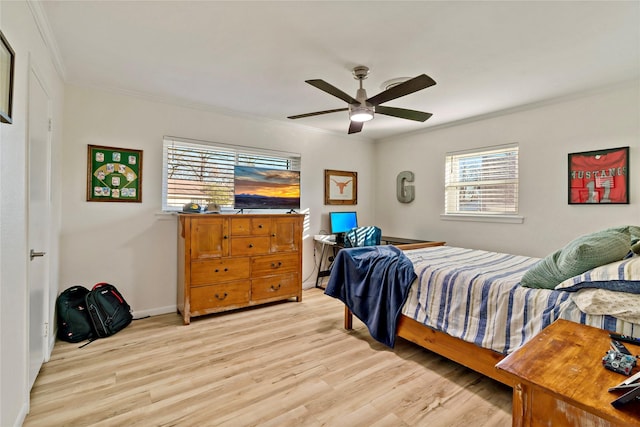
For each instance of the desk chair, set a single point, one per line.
(362, 236)
(358, 236)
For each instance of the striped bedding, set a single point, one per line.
(475, 295)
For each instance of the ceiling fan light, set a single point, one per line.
(361, 114)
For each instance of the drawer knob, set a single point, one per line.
(276, 265)
(218, 297)
(273, 235)
(225, 237)
(226, 269)
(260, 226)
(216, 270)
(275, 288)
(250, 245)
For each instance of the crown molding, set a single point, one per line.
(42, 22)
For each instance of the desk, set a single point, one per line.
(560, 380)
(328, 241)
(387, 240)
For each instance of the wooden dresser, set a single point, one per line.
(232, 261)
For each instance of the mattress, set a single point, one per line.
(475, 295)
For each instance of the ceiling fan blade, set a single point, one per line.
(355, 127)
(317, 113)
(332, 90)
(403, 113)
(413, 85)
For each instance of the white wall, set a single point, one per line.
(19, 27)
(132, 245)
(546, 134)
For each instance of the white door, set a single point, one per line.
(39, 209)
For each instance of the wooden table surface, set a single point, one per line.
(565, 360)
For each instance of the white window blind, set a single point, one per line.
(482, 182)
(202, 172)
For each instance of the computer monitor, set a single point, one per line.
(341, 222)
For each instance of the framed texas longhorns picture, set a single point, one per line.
(340, 187)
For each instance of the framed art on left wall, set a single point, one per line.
(114, 174)
(7, 63)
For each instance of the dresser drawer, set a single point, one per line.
(218, 270)
(210, 297)
(275, 264)
(252, 245)
(275, 286)
(250, 226)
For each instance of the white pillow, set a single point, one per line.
(622, 305)
(621, 276)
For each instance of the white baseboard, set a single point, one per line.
(22, 415)
(139, 314)
(52, 343)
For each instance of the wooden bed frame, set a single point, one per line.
(479, 359)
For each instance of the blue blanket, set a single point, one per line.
(373, 281)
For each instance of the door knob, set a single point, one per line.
(33, 254)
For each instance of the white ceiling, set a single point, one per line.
(252, 58)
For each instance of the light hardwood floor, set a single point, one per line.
(286, 364)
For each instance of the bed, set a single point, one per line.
(470, 305)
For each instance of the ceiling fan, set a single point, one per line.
(361, 109)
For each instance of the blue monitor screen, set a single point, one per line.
(341, 222)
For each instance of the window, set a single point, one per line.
(202, 172)
(482, 182)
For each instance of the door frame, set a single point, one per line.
(34, 73)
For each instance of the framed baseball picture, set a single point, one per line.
(114, 174)
(599, 177)
(340, 187)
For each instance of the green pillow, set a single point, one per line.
(635, 238)
(582, 254)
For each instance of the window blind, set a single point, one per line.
(202, 172)
(482, 181)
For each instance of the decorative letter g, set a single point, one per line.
(405, 193)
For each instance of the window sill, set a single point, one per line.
(507, 219)
(165, 215)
